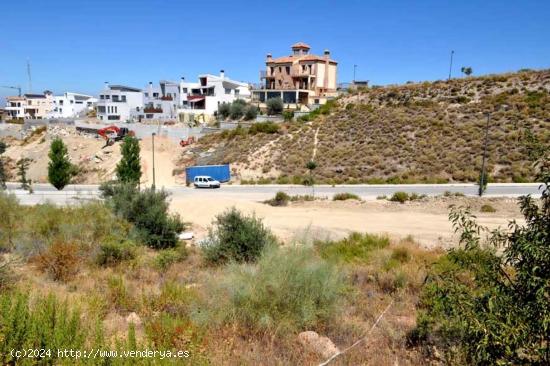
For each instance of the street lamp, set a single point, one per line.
(451, 65)
(153, 142)
(483, 175)
(354, 68)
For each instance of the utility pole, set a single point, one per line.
(153, 141)
(29, 75)
(451, 65)
(354, 68)
(483, 175)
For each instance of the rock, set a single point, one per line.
(323, 346)
(133, 318)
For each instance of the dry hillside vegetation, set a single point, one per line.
(424, 132)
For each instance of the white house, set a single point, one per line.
(71, 105)
(119, 103)
(209, 92)
(161, 102)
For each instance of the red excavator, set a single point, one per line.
(189, 141)
(114, 133)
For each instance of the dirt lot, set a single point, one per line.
(426, 221)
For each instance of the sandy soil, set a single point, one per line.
(427, 222)
(98, 163)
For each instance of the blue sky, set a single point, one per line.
(77, 45)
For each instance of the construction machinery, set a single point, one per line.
(188, 141)
(114, 133)
(13, 87)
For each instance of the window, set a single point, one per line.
(287, 69)
(184, 90)
(147, 94)
(272, 70)
(155, 95)
(102, 96)
(30, 102)
(280, 69)
(227, 91)
(107, 97)
(61, 102)
(72, 101)
(236, 91)
(123, 98)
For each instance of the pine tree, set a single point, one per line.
(3, 175)
(60, 169)
(129, 168)
(22, 167)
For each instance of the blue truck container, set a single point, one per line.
(218, 172)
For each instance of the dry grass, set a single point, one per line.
(426, 132)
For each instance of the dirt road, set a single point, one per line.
(426, 221)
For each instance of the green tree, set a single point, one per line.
(129, 168)
(22, 167)
(223, 110)
(60, 169)
(237, 110)
(3, 175)
(274, 106)
(251, 112)
(466, 70)
(311, 165)
(489, 299)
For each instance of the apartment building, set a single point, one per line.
(70, 105)
(204, 96)
(300, 79)
(30, 106)
(119, 103)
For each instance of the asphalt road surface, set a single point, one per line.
(77, 193)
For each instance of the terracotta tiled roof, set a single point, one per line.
(300, 45)
(292, 59)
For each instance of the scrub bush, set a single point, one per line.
(236, 237)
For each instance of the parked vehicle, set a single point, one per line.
(220, 173)
(204, 181)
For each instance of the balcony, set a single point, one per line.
(152, 110)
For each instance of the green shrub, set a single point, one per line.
(355, 248)
(224, 110)
(148, 211)
(112, 252)
(486, 303)
(345, 196)
(287, 290)
(274, 106)
(400, 197)
(11, 220)
(236, 237)
(236, 111)
(251, 113)
(288, 116)
(263, 127)
(43, 323)
(488, 208)
(281, 199)
(165, 258)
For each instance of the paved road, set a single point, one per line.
(75, 193)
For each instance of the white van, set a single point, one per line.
(204, 181)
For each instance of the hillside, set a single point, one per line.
(417, 132)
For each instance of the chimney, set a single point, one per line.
(222, 74)
(327, 53)
(106, 85)
(269, 57)
(150, 89)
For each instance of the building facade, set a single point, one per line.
(119, 103)
(206, 95)
(300, 79)
(30, 106)
(70, 105)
